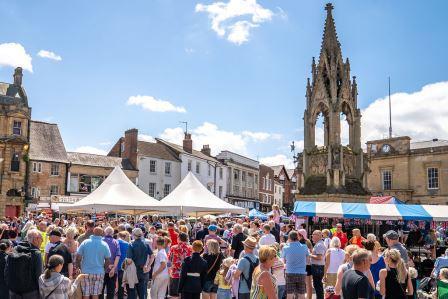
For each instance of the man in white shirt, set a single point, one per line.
(267, 238)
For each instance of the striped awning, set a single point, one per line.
(371, 211)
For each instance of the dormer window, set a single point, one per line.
(17, 128)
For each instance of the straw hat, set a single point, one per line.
(250, 242)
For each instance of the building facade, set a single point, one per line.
(266, 188)
(15, 116)
(242, 181)
(414, 172)
(278, 194)
(281, 177)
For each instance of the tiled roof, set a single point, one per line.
(46, 143)
(277, 169)
(156, 150)
(98, 160)
(180, 149)
(290, 172)
(429, 144)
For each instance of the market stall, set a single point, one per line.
(254, 213)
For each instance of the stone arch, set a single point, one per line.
(347, 110)
(321, 109)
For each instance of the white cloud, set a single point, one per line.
(152, 104)
(189, 50)
(90, 150)
(147, 138)
(105, 143)
(49, 55)
(420, 115)
(15, 55)
(257, 136)
(235, 18)
(279, 159)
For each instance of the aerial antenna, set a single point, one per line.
(186, 125)
(390, 113)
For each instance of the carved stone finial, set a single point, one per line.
(329, 7)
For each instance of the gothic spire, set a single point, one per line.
(330, 44)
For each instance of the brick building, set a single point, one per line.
(266, 188)
(15, 115)
(282, 177)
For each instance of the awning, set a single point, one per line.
(385, 199)
(371, 211)
(254, 213)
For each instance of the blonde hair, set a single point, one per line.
(371, 237)
(349, 250)
(197, 246)
(275, 207)
(183, 229)
(71, 232)
(326, 232)
(443, 273)
(395, 257)
(213, 246)
(357, 231)
(335, 243)
(266, 253)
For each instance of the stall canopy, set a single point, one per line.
(254, 213)
(385, 199)
(371, 211)
(117, 194)
(191, 198)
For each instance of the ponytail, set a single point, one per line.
(402, 273)
(47, 273)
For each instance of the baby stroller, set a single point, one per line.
(426, 288)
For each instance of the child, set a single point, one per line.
(233, 282)
(278, 271)
(160, 271)
(52, 284)
(224, 287)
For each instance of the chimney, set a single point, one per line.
(206, 150)
(188, 143)
(18, 76)
(130, 146)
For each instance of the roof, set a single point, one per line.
(99, 160)
(180, 149)
(290, 172)
(156, 150)
(46, 143)
(429, 143)
(277, 169)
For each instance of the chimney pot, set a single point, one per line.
(18, 74)
(206, 150)
(130, 146)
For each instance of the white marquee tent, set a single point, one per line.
(117, 194)
(191, 198)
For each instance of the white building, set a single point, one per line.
(209, 171)
(278, 194)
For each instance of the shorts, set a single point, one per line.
(295, 284)
(210, 287)
(308, 270)
(331, 279)
(173, 288)
(92, 285)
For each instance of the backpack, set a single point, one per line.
(19, 271)
(252, 267)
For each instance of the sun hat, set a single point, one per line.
(303, 233)
(250, 242)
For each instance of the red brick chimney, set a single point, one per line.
(206, 150)
(130, 146)
(188, 143)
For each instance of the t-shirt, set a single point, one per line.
(62, 250)
(48, 246)
(403, 251)
(295, 255)
(93, 251)
(319, 248)
(237, 244)
(244, 267)
(160, 258)
(356, 285)
(268, 239)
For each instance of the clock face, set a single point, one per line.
(386, 148)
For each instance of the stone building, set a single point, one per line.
(242, 181)
(48, 162)
(281, 177)
(332, 93)
(159, 168)
(266, 188)
(415, 172)
(15, 115)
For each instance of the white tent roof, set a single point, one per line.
(116, 194)
(193, 199)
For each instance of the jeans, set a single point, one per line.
(281, 291)
(318, 274)
(140, 289)
(120, 294)
(109, 284)
(224, 294)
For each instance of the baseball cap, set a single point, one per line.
(391, 235)
(55, 232)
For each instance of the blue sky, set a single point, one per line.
(242, 91)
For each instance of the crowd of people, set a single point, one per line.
(224, 258)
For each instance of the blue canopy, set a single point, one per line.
(257, 214)
(371, 211)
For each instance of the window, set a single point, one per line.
(35, 192)
(433, 178)
(54, 169)
(54, 190)
(236, 175)
(220, 173)
(209, 188)
(220, 191)
(387, 179)
(17, 128)
(209, 170)
(198, 167)
(167, 168)
(122, 147)
(37, 167)
(166, 189)
(152, 166)
(152, 189)
(243, 176)
(189, 165)
(15, 162)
